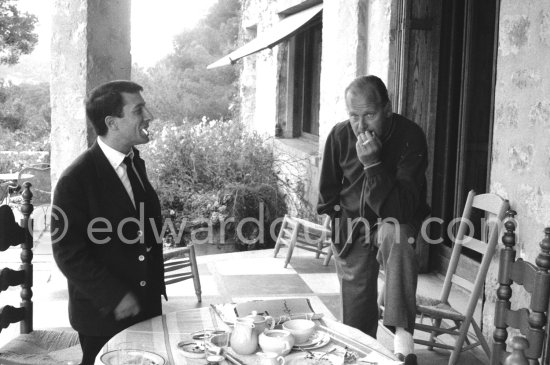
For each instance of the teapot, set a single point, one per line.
(244, 339)
(261, 323)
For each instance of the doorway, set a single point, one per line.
(464, 122)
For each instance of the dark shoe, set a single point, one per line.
(410, 359)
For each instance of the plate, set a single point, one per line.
(150, 358)
(302, 358)
(192, 349)
(316, 340)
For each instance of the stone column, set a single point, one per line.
(90, 45)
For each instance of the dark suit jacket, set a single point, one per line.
(100, 263)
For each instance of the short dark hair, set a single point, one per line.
(362, 83)
(106, 100)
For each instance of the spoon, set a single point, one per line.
(326, 353)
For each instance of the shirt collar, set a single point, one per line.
(114, 157)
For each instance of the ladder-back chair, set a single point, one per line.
(297, 232)
(530, 322)
(440, 311)
(40, 179)
(30, 347)
(177, 259)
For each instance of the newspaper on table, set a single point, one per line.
(280, 309)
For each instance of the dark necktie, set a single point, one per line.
(137, 188)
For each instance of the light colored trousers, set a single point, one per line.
(390, 249)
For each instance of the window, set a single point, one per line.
(307, 77)
(299, 83)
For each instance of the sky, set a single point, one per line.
(154, 25)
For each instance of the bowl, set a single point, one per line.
(301, 329)
(278, 341)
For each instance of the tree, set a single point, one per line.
(25, 116)
(179, 86)
(17, 34)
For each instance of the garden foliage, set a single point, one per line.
(214, 170)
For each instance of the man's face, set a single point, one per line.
(132, 126)
(367, 113)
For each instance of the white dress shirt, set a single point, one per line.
(116, 160)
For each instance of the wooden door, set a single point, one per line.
(413, 74)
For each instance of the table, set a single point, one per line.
(161, 334)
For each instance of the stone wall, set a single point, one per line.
(297, 164)
(344, 58)
(258, 80)
(378, 43)
(520, 167)
(262, 83)
(355, 42)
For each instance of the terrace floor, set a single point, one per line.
(225, 277)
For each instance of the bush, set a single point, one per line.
(261, 201)
(213, 170)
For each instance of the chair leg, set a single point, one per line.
(481, 338)
(329, 255)
(319, 248)
(292, 243)
(453, 359)
(433, 334)
(195, 271)
(280, 237)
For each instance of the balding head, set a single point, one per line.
(370, 87)
(369, 107)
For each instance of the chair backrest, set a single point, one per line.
(494, 209)
(40, 179)
(535, 279)
(13, 234)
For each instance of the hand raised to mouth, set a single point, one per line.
(368, 148)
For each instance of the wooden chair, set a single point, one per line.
(296, 232)
(440, 311)
(531, 321)
(178, 259)
(40, 179)
(30, 347)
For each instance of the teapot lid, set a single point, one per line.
(255, 316)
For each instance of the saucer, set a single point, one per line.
(149, 358)
(316, 340)
(192, 349)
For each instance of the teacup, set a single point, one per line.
(301, 329)
(261, 323)
(277, 341)
(270, 358)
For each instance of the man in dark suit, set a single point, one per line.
(106, 241)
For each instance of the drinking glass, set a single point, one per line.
(130, 353)
(216, 343)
